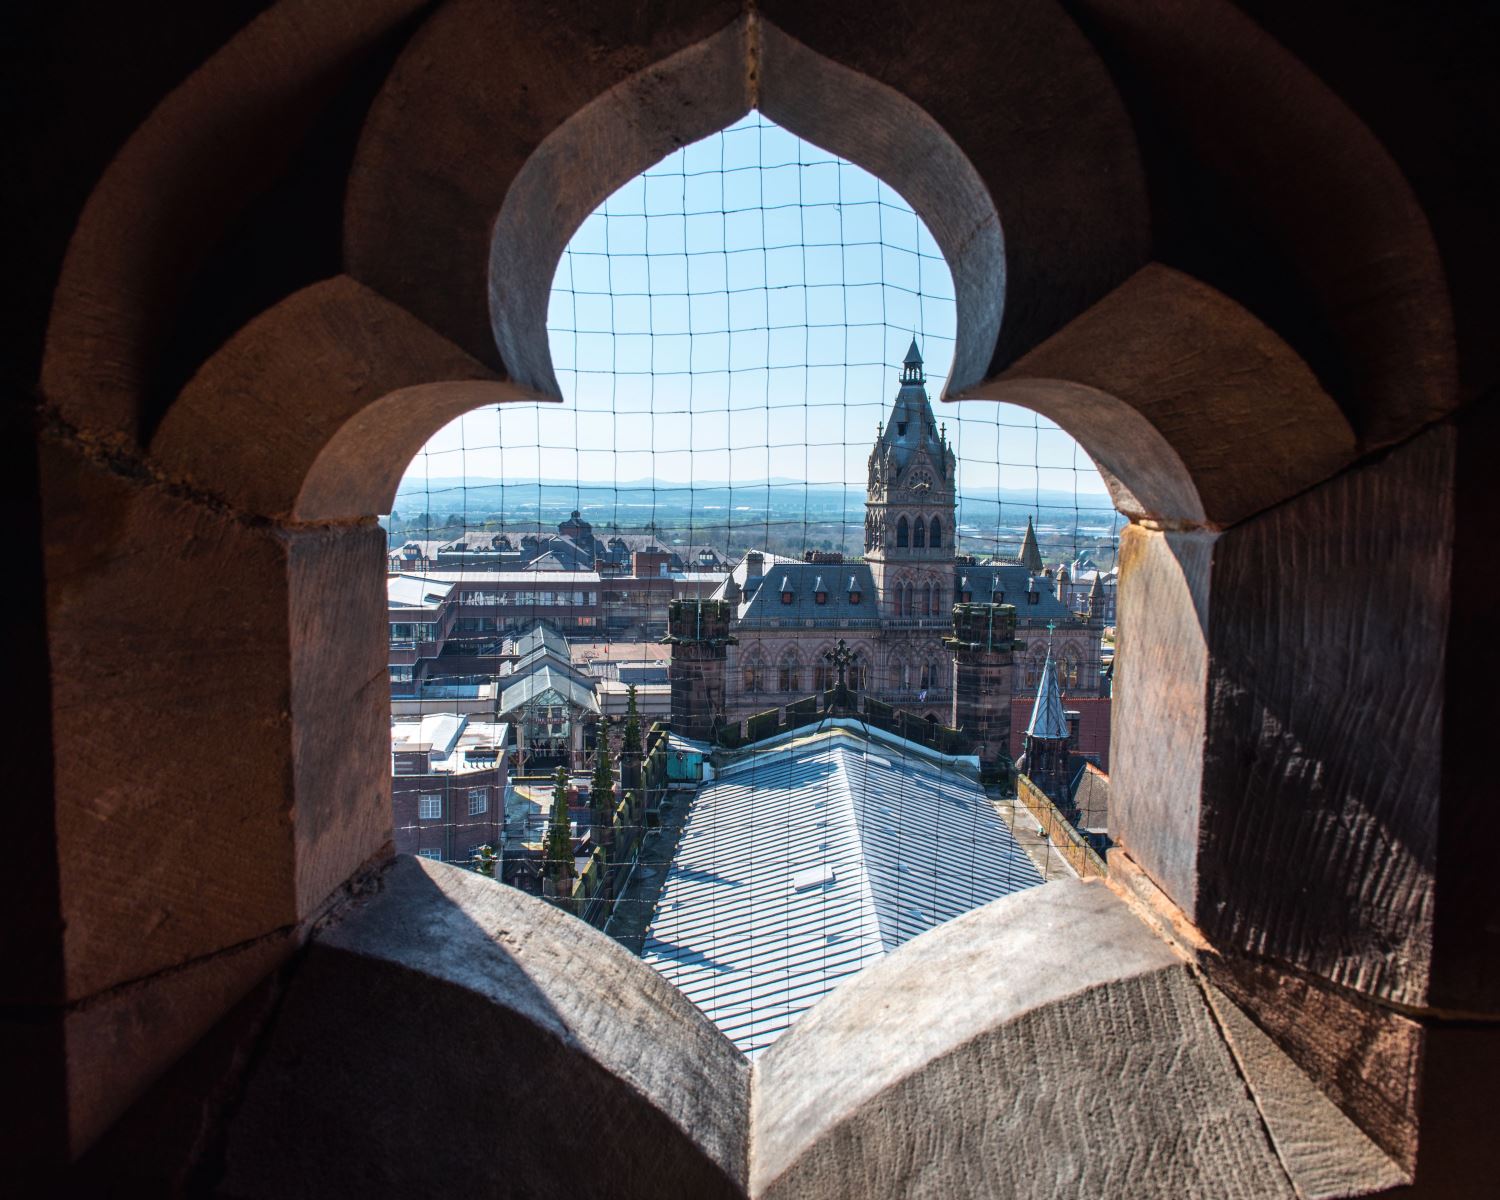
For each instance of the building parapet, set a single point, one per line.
(1059, 831)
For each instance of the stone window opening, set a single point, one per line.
(903, 533)
(314, 492)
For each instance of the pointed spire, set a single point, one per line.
(1047, 717)
(910, 423)
(1096, 596)
(1031, 554)
(911, 365)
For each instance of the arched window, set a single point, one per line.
(823, 675)
(753, 672)
(936, 539)
(903, 533)
(919, 533)
(1034, 661)
(937, 600)
(788, 675)
(926, 598)
(907, 599)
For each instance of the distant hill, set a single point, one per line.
(627, 500)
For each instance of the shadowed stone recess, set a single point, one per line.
(1320, 818)
(1173, 348)
(1098, 1073)
(1322, 1150)
(449, 1002)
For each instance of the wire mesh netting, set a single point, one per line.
(732, 334)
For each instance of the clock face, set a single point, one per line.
(920, 481)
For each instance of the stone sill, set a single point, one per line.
(445, 1027)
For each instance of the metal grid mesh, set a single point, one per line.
(725, 331)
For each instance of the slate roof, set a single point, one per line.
(1008, 583)
(813, 855)
(911, 421)
(763, 602)
(1031, 556)
(1048, 720)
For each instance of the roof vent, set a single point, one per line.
(813, 877)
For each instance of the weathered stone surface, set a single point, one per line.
(1160, 692)
(460, 115)
(1325, 1154)
(118, 1043)
(553, 1061)
(1366, 1058)
(340, 706)
(1242, 412)
(178, 185)
(972, 1061)
(1321, 780)
(1304, 208)
(1122, 442)
(172, 741)
(314, 409)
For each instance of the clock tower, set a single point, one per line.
(910, 506)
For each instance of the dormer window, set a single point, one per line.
(820, 593)
(855, 597)
(1033, 597)
(968, 597)
(900, 428)
(786, 590)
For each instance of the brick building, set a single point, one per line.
(448, 774)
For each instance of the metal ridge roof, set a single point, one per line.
(800, 866)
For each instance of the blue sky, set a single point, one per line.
(737, 313)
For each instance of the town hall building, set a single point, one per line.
(894, 609)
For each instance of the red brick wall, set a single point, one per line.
(1093, 724)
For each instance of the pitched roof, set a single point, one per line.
(1047, 717)
(541, 636)
(544, 678)
(838, 582)
(1009, 583)
(811, 857)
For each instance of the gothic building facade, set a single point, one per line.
(895, 608)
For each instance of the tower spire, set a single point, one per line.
(1031, 554)
(1047, 717)
(911, 365)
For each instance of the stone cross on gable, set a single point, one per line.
(840, 656)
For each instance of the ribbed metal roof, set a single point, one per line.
(812, 856)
